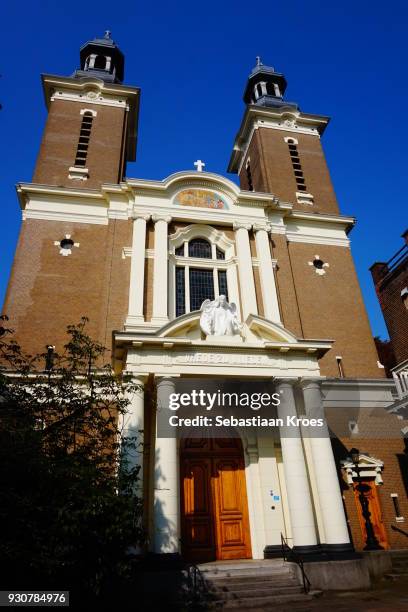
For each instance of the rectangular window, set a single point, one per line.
(222, 283)
(83, 142)
(180, 292)
(201, 287)
(397, 508)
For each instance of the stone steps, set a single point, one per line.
(396, 575)
(268, 602)
(245, 569)
(399, 565)
(257, 591)
(249, 582)
(251, 585)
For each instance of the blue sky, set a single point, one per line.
(191, 59)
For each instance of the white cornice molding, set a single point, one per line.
(121, 94)
(88, 98)
(327, 218)
(116, 202)
(61, 216)
(170, 186)
(304, 238)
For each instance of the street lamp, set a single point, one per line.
(371, 541)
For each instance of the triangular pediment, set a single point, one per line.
(365, 461)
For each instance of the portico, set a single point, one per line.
(286, 489)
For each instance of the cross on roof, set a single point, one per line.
(199, 165)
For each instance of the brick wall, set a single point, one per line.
(60, 139)
(272, 171)
(328, 306)
(48, 291)
(393, 307)
(387, 450)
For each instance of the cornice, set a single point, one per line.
(310, 216)
(207, 180)
(117, 201)
(138, 340)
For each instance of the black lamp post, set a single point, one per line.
(49, 358)
(371, 541)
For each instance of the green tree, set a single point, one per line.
(70, 515)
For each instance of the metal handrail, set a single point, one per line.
(395, 260)
(394, 528)
(290, 555)
(197, 582)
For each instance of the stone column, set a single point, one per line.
(268, 285)
(137, 269)
(160, 270)
(256, 512)
(327, 483)
(166, 481)
(246, 276)
(296, 478)
(132, 425)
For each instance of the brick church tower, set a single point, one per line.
(278, 150)
(68, 262)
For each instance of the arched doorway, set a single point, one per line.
(214, 507)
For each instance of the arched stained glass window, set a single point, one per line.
(199, 248)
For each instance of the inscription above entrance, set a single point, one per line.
(201, 198)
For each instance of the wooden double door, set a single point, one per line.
(214, 508)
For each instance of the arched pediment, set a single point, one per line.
(198, 230)
(264, 329)
(187, 325)
(179, 181)
(256, 330)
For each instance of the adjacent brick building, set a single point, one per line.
(391, 284)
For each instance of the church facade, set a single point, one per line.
(139, 257)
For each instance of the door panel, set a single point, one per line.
(214, 509)
(376, 515)
(197, 524)
(231, 517)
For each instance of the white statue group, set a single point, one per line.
(218, 318)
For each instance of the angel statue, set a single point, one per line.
(218, 318)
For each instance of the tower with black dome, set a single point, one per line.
(102, 58)
(91, 127)
(278, 148)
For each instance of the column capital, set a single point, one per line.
(261, 225)
(290, 382)
(137, 379)
(241, 225)
(165, 378)
(166, 218)
(144, 216)
(310, 383)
